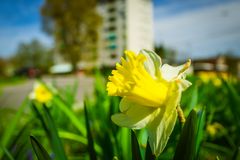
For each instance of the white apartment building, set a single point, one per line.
(127, 24)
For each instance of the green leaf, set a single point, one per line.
(148, 153)
(7, 153)
(217, 148)
(53, 135)
(40, 152)
(12, 126)
(136, 154)
(69, 136)
(186, 147)
(236, 154)
(19, 143)
(91, 150)
(200, 131)
(51, 132)
(70, 114)
(124, 139)
(193, 101)
(68, 93)
(234, 99)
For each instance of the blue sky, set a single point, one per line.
(198, 29)
(20, 21)
(195, 29)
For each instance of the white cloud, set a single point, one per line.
(201, 32)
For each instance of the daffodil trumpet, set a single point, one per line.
(150, 94)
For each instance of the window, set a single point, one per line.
(112, 46)
(110, 10)
(112, 28)
(112, 19)
(112, 36)
(113, 56)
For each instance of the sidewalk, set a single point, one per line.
(13, 96)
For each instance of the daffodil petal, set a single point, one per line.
(153, 62)
(160, 129)
(164, 120)
(134, 116)
(125, 104)
(184, 84)
(170, 72)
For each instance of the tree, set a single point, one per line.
(166, 53)
(33, 54)
(74, 26)
(3, 64)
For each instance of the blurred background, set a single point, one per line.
(67, 42)
(52, 37)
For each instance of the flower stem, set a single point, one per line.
(181, 116)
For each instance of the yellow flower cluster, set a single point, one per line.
(213, 77)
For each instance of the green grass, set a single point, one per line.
(11, 81)
(60, 125)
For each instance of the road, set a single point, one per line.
(13, 96)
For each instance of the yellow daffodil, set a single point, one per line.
(150, 94)
(214, 128)
(41, 93)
